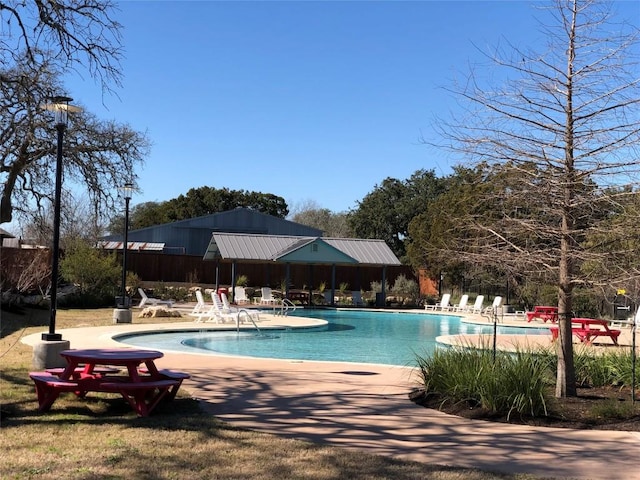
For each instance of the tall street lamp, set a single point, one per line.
(122, 312)
(127, 191)
(61, 108)
(46, 353)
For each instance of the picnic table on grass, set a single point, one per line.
(586, 329)
(130, 372)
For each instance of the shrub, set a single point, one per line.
(167, 292)
(513, 383)
(586, 304)
(612, 409)
(516, 382)
(609, 368)
(407, 289)
(376, 287)
(96, 275)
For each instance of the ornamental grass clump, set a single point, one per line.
(611, 368)
(510, 383)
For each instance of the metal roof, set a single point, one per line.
(5, 234)
(296, 249)
(149, 246)
(370, 252)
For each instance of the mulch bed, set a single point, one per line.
(606, 408)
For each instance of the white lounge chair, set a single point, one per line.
(267, 297)
(494, 306)
(218, 312)
(442, 305)
(227, 308)
(462, 305)
(201, 306)
(477, 306)
(152, 301)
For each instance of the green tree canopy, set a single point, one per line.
(385, 212)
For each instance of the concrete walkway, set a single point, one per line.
(361, 406)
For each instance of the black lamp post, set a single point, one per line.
(127, 190)
(60, 106)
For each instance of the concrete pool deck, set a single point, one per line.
(365, 407)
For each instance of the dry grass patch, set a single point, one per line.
(101, 438)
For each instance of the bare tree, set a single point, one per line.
(98, 154)
(25, 272)
(310, 213)
(79, 221)
(559, 143)
(67, 33)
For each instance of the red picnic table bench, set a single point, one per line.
(543, 313)
(143, 388)
(586, 329)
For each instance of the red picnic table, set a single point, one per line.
(586, 329)
(544, 313)
(142, 384)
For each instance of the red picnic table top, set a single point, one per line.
(125, 357)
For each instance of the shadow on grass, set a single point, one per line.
(16, 318)
(181, 413)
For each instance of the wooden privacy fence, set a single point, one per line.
(158, 267)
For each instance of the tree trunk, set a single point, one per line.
(566, 378)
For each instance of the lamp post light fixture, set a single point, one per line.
(61, 108)
(127, 191)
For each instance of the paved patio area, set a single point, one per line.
(361, 406)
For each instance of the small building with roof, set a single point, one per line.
(269, 250)
(295, 250)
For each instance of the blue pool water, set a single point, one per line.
(350, 336)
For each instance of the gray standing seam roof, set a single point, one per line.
(248, 247)
(371, 252)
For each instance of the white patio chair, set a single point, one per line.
(267, 297)
(240, 296)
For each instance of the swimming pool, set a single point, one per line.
(350, 336)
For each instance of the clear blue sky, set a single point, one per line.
(307, 100)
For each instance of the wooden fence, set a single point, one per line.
(157, 267)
